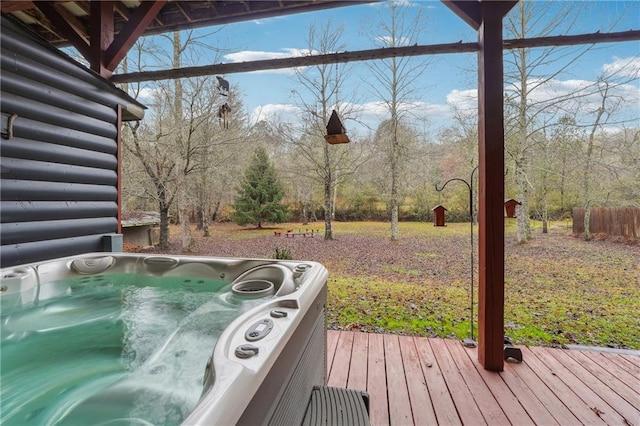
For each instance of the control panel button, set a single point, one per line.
(259, 330)
(246, 351)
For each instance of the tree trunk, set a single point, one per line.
(216, 209)
(164, 224)
(199, 216)
(523, 230)
(328, 234)
(604, 90)
(587, 219)
(394, 194)
(328, 178)
(545, 212)
(305, 220)
(205, 222)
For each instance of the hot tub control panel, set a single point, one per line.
(259, 330)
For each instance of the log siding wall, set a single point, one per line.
(58, 152)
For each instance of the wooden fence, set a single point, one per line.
(617, 221)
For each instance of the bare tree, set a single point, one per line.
(169, 145)
(524, 110)
(319, 94)
(395, 79)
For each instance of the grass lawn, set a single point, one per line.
(558, 289)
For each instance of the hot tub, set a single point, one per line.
(147, 339)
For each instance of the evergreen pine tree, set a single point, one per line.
(260, 194)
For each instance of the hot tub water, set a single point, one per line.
(122, 348)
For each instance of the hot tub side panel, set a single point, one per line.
(283, 396)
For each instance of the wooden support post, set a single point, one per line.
(486, 17)
(491, 190)
(101, 35)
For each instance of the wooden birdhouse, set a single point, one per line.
(510, 207)
(438, 215)
(336, 132)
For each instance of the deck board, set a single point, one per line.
(580, 385)
(358, 368)
(397, 392)
(462, 397)
(377, 382)
(340, 370)
(420, 381)
(441, 400)
(421, 406)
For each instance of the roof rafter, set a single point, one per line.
(138, 22)
(72, 34)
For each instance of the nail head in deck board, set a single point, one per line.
(340, 372)
(377, 382)
(549, 375)
(615, 383)
(491, 410)
(463, 399)
(421, 405)
(398, 394)
(612, 399)
(358, 366)
(443, 404)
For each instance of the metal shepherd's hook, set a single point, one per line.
(469, 342)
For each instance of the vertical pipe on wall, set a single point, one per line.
(119, 167)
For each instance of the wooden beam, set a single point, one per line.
(468, 11)
(77, 39)
(134, 28)
(102, 30)
(570, 40)
(15, 6)
(365, 55)
(301, 61)
(491, 188)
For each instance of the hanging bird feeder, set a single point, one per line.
(223, 86)
(510, 207)
(438, 215)
(336, 132)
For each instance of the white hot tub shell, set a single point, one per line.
(265, 363)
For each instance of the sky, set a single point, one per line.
(447, 81)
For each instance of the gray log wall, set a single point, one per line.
(58, 152)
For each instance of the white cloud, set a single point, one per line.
(275, 113)
(623, 67)
(389, 41)
(146, 94)
(260, 55)
(465, 101)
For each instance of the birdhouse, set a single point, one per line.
(336, 132)
(438, 215)
(510, 207)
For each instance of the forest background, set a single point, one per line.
(572, 133)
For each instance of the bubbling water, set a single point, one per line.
(113, 349)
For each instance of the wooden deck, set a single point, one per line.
(421, 381)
